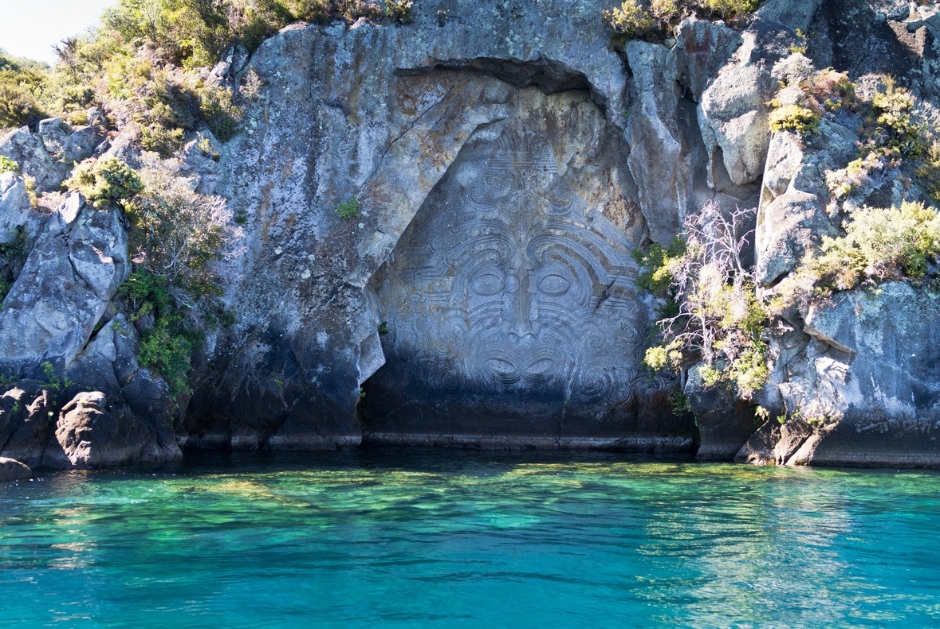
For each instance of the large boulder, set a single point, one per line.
(17, 216)
(864, 387)
(28, 150)
(93, 433)
(65, 286)
(26, 421)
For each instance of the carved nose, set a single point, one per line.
(521, 315)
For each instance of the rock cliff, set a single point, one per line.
(432, 234)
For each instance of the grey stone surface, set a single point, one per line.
(64, 287)
(864, 389)
(27, 150)
(13, 470)
(93, 433)
(511, 292)
(792, 217)
(724, 422)
(54, 133)
(505, 161)
(16, 212)
(393, 109)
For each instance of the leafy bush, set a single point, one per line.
(348, 209)
(632, 19)
(857, 175)
(7, 165)
(794, 118)
(399, 10)
(730, 9)
(106, 181)
(719, 318)
(167, 345)
(897, 127)
(20, 82)
(879, 245)
(629, 19)
(177, 234)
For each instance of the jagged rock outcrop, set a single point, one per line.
(434, 228)
(863, 385)
(49, 154)
(65, 286)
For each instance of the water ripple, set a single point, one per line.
(462, 539)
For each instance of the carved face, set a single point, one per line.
(512, 284)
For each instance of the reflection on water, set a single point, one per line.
(450, 538)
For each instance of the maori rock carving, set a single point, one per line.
(508, 282)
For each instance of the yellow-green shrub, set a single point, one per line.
(879, 245)
(794, 118)
(106, 181)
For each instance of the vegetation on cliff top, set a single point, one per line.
(719, 318)
(148, 63)
(655, 18)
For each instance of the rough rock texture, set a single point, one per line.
(863, 387)
(91, 432)
(724, 423)
(510, 303)
(406, 120)
(48, 154)
(13, 470)
(497, 164)
(64, 288)
(792, 215)
(18, 219)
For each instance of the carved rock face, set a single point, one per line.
(510, 287)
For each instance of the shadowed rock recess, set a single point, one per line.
(505, 159)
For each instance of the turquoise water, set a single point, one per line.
(463, 539)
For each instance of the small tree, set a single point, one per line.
(719, 317)
(106, 181)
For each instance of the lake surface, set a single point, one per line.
(468, 539)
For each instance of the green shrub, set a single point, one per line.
(879, 245)
(21, 80)
(177, 233)
(168, 344)
(855, 176)
(794, 118)
(730, 9)
(219, 112)
(898, 128)
(161, 140)
(718, 318)
(399, 10)
(348, 209)
(18, 106)
(7, 165)
(106, 181)
(629, 19)
(655, 263)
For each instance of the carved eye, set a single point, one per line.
(487, 284)
(554, 285)
(502, 367)
(542, 366)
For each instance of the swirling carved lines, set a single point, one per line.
(510, 282)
